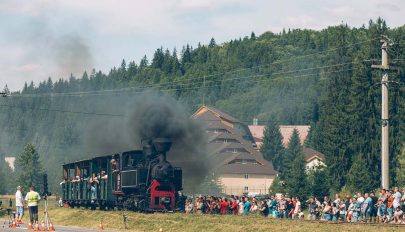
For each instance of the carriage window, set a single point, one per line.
(132, 159)
(128, 161)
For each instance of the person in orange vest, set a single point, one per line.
(32, 198)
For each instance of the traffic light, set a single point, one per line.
(45, 184)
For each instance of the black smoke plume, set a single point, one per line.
(153, 116)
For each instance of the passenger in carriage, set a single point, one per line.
(64, 181)
(77, 179)
(115, 166)
(104, 175)
(94, 179)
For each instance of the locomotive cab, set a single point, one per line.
(133, 173)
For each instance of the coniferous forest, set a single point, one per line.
(318, 78)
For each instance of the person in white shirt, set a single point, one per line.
(19, 205)
(397, 198)
(254, 208)
(241, 206)
(297, 209)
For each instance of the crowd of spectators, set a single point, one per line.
(387, 207)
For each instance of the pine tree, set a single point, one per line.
(312, 137)
(293, 168)
(357, 176)
(143, 63)
(252, 36)
(29, 168)
(272, 147)
(293, 150)
(212, 43)
(25, 88)
(317, 185)
(6, 177)
(333, 129)
(400, 169)
(186, 55)
(158, 59)
(296, 181)
(49, 85)
(6, 90)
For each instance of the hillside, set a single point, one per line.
(323, 78)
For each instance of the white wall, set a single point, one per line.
(234, 184)
(315, 163)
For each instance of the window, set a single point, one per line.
(246, 176)
(217, 130)
(246, 188)
(244, 161)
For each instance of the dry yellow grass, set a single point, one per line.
(113, 220)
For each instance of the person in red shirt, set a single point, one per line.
(224, 206)
(390, 209)
(234, 206)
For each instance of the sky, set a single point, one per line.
(53, 38)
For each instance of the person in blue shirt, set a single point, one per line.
(367, 208)
(270, 205)
(356, 210)
(247, 206)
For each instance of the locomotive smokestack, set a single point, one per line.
(162, 145)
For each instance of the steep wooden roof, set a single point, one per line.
(216, 112)
(310, 154)
(221, 159)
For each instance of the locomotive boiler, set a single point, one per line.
(139, 180)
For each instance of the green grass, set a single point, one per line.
(112, 220)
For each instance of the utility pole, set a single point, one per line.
(385, 179)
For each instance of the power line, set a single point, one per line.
(62, 111)
(141, 88)
(190, 79)
(164, 90)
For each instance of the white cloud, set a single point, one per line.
(112, 30)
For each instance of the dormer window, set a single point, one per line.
(217, 130)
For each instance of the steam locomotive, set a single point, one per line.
(138, 180)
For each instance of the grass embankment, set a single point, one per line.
(113, 220)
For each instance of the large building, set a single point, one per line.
(240, 167)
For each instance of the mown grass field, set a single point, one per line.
(113, 220)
